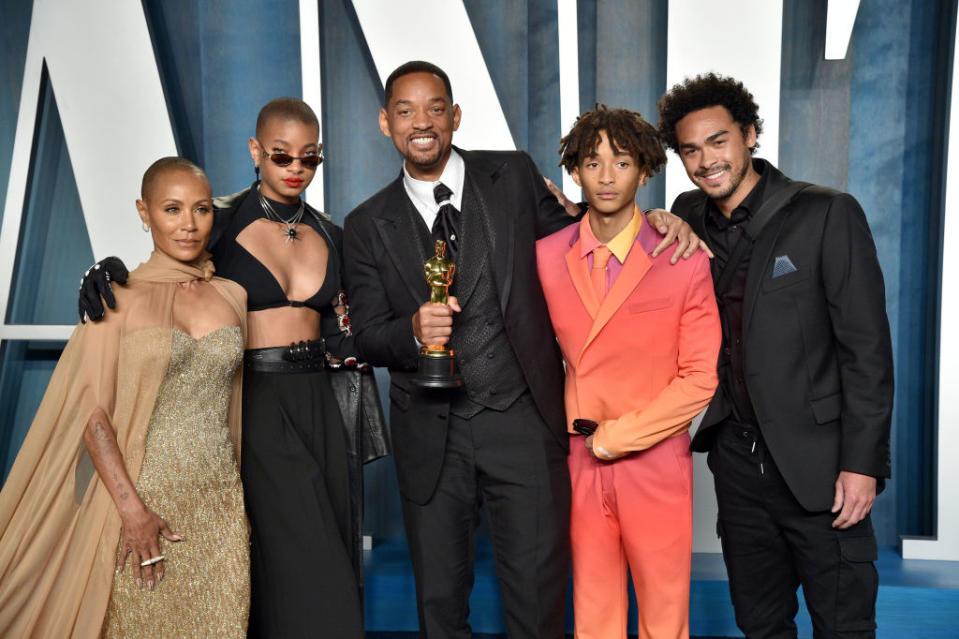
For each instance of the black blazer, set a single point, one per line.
(818, 355)
(384, 251)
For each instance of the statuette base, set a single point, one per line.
(437, 369)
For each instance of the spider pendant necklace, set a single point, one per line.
(290, 232)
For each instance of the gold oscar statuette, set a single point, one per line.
(437, 368)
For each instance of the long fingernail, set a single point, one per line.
(139, 583)
(150, 584)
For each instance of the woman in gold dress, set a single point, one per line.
(123, 513)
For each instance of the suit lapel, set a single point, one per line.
(759, 263)
(578, 268)
(480, 183)
(762, 251)
(473, 244)
(405, 238)
(636, 266)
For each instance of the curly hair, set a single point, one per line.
(704, 91)
(624, 128)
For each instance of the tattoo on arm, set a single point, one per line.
(99, 432)
(105, 453)
(121, 488)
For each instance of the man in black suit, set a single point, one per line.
(798, 431)
(501, 441)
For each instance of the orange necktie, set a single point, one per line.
(597, 276)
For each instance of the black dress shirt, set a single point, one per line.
(724, 233)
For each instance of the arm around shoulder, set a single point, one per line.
(551, 215)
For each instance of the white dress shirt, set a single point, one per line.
(421, 193)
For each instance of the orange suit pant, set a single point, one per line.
(636, 513)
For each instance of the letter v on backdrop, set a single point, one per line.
(103, 72)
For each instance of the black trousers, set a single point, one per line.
(771, 545)
(511, 465)
(296, 482)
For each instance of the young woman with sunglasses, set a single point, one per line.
(296, 476)
(295, 469)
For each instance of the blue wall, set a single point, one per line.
(872, 124)
(14, 29)
(895, 169)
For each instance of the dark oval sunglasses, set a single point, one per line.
(285, 159)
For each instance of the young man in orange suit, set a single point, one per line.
(640, 338)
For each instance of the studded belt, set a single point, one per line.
(298, 356)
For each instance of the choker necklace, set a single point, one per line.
(272, 215)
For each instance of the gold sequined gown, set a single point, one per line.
(191, 479)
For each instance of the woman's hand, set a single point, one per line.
(141, 528)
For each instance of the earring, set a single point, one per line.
(145, 227)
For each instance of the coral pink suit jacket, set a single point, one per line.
(642, 362)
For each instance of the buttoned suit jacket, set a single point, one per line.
(386, 242)
(818, 354)
(641, 361)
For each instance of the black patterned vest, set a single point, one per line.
(492, 376)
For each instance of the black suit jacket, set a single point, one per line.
(385, 246)
(818, 355)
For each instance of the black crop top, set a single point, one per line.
(234, 262)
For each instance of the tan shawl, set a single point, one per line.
(59, 527)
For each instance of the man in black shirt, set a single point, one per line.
(723, 233)
(798, 431)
